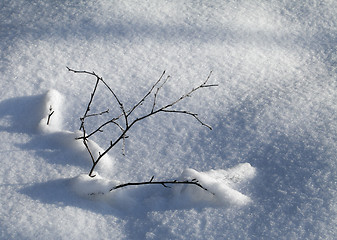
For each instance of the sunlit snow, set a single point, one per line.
(269, 164)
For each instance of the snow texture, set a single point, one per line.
(270, 159)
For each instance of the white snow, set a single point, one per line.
(269, 164)
(52, 104)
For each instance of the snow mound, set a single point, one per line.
(51, 112)
(50, 127)
(220, 185)
(85, 186)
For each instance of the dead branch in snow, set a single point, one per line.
(124, 122)
(163, 183)
(51, 112)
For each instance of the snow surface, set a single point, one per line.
(270, 158)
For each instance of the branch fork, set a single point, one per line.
(124, 121)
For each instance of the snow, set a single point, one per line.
(269, 164)
(51, 104)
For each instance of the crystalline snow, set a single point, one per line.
(221, 183)
(235, 175)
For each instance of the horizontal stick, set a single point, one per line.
(163, 183)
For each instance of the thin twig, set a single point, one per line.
(50, 114)
(146, 95)
(156, 93)
(88, 149)
(98, 114)
(203, 85)
(90, 101)
(163, 183)
(189, 113)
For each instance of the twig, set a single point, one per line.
(88, 149)
(203, 85)
(98, 114)
(155, 95)
(189, 113)
(146, 95)
(50, 114)
(163, 183)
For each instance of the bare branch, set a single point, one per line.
(129, 123)
(98, 114)
(113, 93)
(88, 149)
(189, 113)
(208, 77)
(146, 95)
(84, 140)
(51, 112)
(99, 129)
(210, 85)
(90, 101)
(163, 183)
(155, 95)
(203, 85)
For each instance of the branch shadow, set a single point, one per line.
(59, 192)
(59, 148)
(21, 114)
